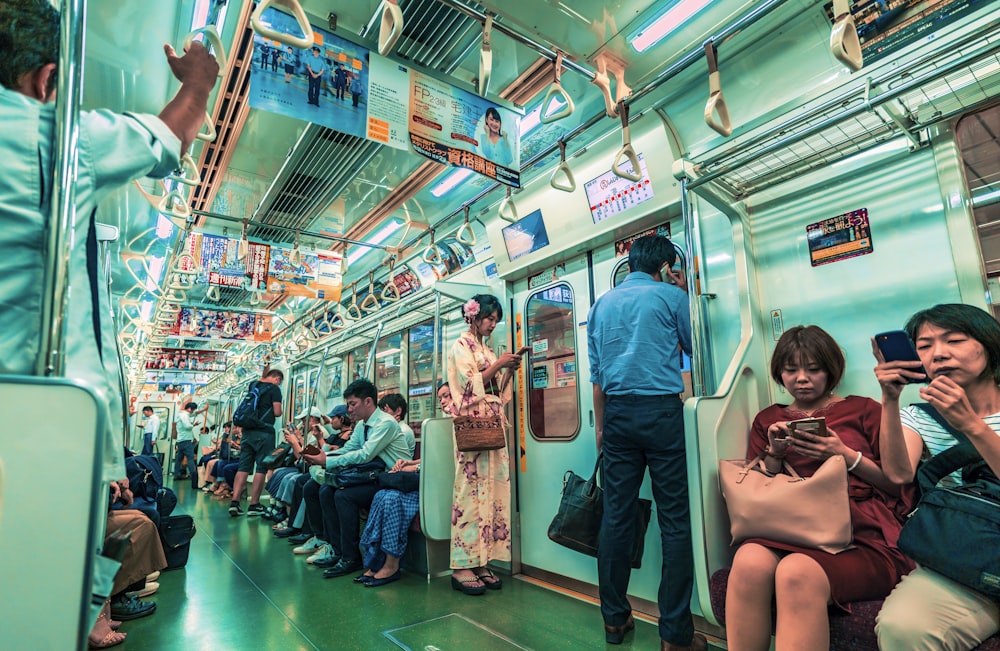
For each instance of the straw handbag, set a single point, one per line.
(473, 433)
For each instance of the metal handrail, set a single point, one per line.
(69, 93)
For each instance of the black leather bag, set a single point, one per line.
(577, 524)
(404, 482)
(360, 474)
(277, 457)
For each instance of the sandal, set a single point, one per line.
(466, 587)
(110, 639)
(489, 579)
(103, 635)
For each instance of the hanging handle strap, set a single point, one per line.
(353, 311)
(243, 248)
(212, 38)
(431, 254)
(465, 234)
(188, 172)
(844, 42)
(508, 210)
(305, 41)
(209, 134)
(173, 204)
(568, 183)
(391, 28)
(556, 93)
(186, 265)
(716, 102)
(626, 153)
(486, 57)
(602, 81)
(369, 303)
(213, 293)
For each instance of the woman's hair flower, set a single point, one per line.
(470, 309)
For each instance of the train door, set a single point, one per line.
(163, 441)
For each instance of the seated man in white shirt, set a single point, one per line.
(376, 435)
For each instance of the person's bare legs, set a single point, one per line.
(748, 598)
(802, 593)
(239, 485)
(256, 488)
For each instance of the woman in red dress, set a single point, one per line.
(803, 582)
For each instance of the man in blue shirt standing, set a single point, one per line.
(634, 335)
(316, 67)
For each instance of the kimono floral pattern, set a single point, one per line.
(480, 517)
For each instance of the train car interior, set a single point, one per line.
(366, 167)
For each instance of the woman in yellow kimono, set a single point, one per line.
(480, 386)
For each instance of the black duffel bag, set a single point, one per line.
(404, 482)
(358, 474)
(176, 532)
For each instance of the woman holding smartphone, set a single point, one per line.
(959, 346)
(480, 387)
(803, 582)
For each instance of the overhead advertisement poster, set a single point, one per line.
(344, 86)
(326, 84)
(315, 274)
(198, 323)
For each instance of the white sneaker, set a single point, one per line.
(323, 553)
(311, 546)
(150, 588)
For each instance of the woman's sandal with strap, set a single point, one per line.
(465, 587)
(489, 579)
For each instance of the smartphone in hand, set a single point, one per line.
(815, 426)
(896, 346)
(523, 349)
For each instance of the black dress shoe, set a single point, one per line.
(126, 608)
(300, 538)
(342, 568)
(287, 532)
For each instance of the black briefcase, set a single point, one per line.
(176, 532)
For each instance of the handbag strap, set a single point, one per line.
(962, 454)
(757, 463)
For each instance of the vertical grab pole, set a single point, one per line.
(699, 367)
(62, 217)
(436, 328)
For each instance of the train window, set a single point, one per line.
(334, 383)
(298, 394)
(421, 384)
(554, 409)
(621, 270)
(387, 361)
(356, 361)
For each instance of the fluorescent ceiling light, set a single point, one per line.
(380, 236)
(668, 21)
(164, 227)
(155, 274)
(386, 353)
(450, 181)
(146, 311)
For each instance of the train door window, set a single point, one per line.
(356, 361)
(422, 385)
(621, 267)
(388, 354)
(554, 409)
(334, 383)
(298, 393)
(980, 149)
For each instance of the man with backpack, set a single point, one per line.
(256, 415)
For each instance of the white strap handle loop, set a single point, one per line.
(508, 210)
(353, 311)
(213, 293)
(174, 204)
(391, 28)
(335, 321)
(464, 234)
(844, 42)
(569, 183)
(389, 290)
(602, 81)
(556, 93)
(209, 134)
(486, 57)
(189, 174)
(716, 101)
(431, 254)
(212, 38)
(626, 152)
(304, 42)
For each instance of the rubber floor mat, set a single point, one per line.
(452, 632)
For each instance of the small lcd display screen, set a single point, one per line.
(526, 236)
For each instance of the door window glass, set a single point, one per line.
(553, 400)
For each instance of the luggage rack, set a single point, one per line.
(902, 101)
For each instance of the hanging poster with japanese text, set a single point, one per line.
(198, 323)
(344, 86)
(256, 262)
(219, 260)
(313, 275)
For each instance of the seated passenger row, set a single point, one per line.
(881, 444)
